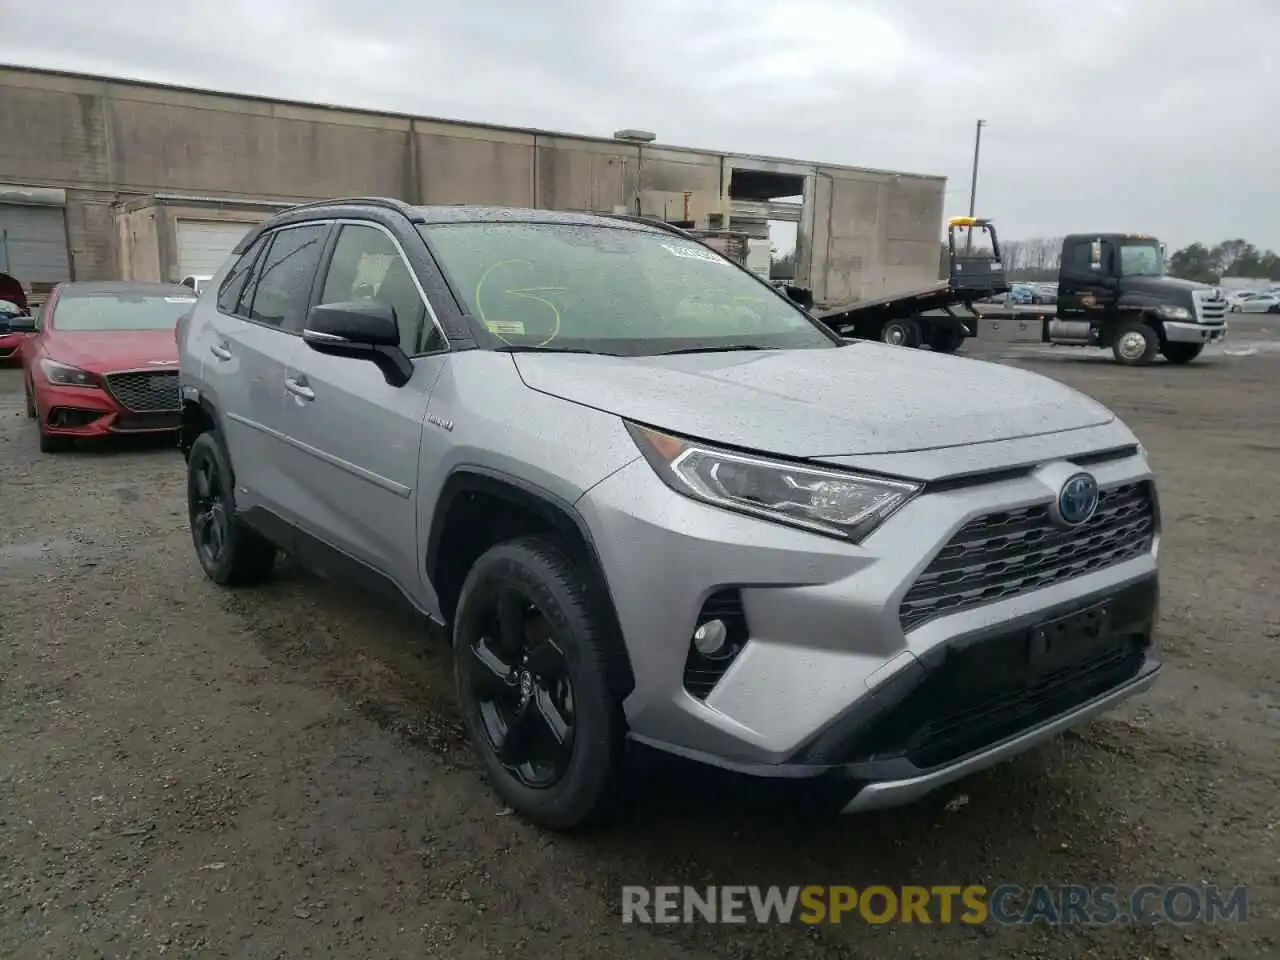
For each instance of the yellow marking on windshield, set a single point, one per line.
(527, 293)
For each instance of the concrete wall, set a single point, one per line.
(147, 233)
(138, 244)
(109, 142)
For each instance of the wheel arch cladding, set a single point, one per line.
(478, 509)
(198, 416)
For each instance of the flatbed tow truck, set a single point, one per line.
(941, 315)
(1113, 293)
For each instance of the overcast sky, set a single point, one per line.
(1157, 116)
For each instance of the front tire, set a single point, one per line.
(1181, 353)
(945, 340)
(532, 657)
(51, 443)
(1136, 344)
(230, 553)
(32, 413)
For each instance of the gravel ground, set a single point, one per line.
(279, 772)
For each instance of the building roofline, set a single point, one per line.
(395, 115)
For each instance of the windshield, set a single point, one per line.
(612, 290)
(1141, 260)
(124, 312)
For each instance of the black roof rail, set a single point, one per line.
(652, 222)
(389, 203)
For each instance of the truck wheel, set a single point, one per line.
(1182, 352)
(946, 340)
(1136, 344)
(532, 659)
(901, 333)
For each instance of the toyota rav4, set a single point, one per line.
(655, 501)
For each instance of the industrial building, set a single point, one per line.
(104, 178)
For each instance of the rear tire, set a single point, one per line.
(554, 661)
(1135, 345)
(901, 333)
(229, 551)
(1181, 353)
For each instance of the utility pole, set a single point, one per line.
(973, 184)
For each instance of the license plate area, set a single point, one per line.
(1068, 639)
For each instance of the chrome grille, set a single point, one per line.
(1211, 306)
(1005, 554)
(146, 392)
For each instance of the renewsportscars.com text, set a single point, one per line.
(1008, 904)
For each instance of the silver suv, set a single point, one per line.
(657, 502)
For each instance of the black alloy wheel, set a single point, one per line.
(519, 679)
(230, 552)
(540, 669)
(207, 504)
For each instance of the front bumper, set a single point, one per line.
(89, 412)
(1182, 332)
(830, 685)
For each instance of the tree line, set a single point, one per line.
(1230, 258)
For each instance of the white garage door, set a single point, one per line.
(203, 245)
(33, 244)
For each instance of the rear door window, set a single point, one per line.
(233, 285)
(282, 287)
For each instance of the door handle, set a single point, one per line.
(298, 387)
(220, 351)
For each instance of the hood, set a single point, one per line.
(865, 398)
(105, 351)
(1163, 286)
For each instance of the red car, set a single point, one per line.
(103, 360)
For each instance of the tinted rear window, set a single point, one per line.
(126, 311)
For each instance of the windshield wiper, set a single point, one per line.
(748, 346)
(533, 348)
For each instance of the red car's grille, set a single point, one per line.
(146, 392)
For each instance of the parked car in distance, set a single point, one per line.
(654, 499)
(1044, 293)
(103, 360)
(10, 339)
(1258, 303)
(1240, 296)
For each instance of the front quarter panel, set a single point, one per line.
(482, 417)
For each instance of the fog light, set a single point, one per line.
(709, 639)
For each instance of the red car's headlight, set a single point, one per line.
(65, 375)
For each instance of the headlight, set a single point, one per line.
(1173, 313)
(66, 376)
(830, 502)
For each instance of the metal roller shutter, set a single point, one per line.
(204, 245)
(33, 244)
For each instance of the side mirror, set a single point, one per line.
(361, 331)
(22, 323)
